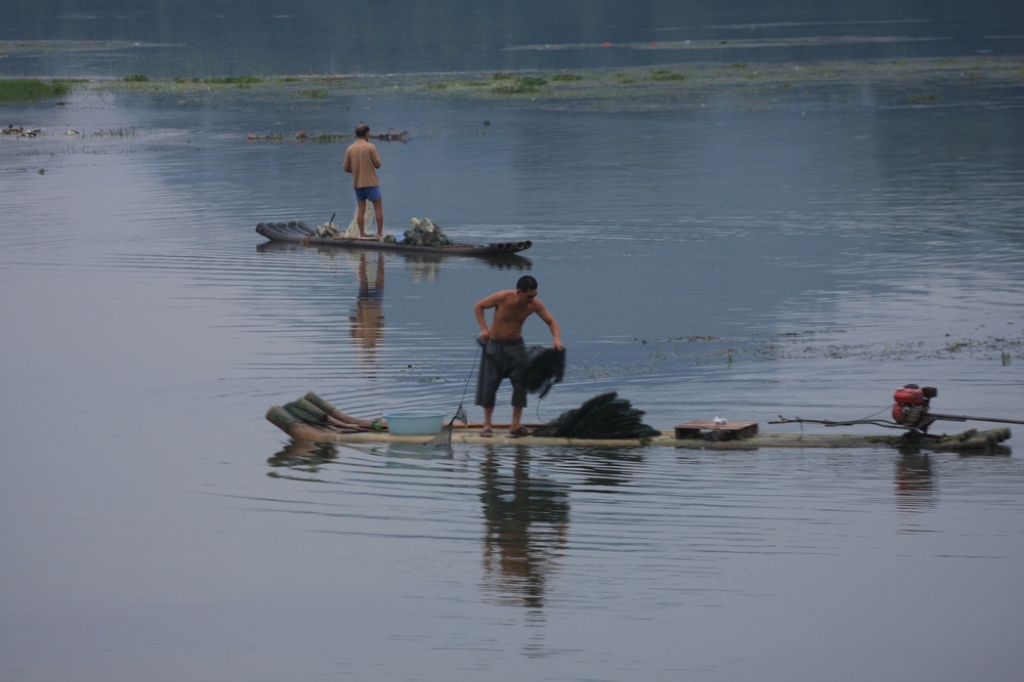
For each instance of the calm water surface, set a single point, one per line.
(803, 259)
(226, 37)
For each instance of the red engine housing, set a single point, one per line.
(912, 404)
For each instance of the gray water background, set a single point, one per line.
(804, 257)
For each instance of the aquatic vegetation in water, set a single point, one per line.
(513, 89)
(136, 78)
(706, 85)
(32, 89)
(116, 132)
(826, 344)
(314, 94)
(666, 75)
(325, 138)
(234, 80)
(520, 85)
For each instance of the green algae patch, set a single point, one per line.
(121, 133)
(32, 89)
(666, 75)
(518, 85)
(234, 80)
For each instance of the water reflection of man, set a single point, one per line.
(527, 520)
(368, 321)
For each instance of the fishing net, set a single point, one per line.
(444, 438)
(602, 417)
(545, 367)
(369, 219)
(426, 233)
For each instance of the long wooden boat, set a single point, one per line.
(313, 419)
(297, 232)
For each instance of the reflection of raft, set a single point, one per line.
(326, 424)
(298, 232)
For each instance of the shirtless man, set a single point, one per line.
(504, 352)
(362, 161)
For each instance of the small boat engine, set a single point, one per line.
(911, 407)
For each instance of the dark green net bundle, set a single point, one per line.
(545, 368)
(604, 416)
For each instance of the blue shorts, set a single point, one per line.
(368, 193)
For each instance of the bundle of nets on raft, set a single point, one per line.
(425, 233)
(605, 416)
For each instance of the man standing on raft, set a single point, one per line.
(504, 353)
(362, 161)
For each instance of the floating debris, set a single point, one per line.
(21, 131)
(391, 137)
(275, 137)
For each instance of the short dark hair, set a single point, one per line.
(526, 283)
(362, 129)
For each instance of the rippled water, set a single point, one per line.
(804, 259)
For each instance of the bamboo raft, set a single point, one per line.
(297, 232)
(313, 419)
